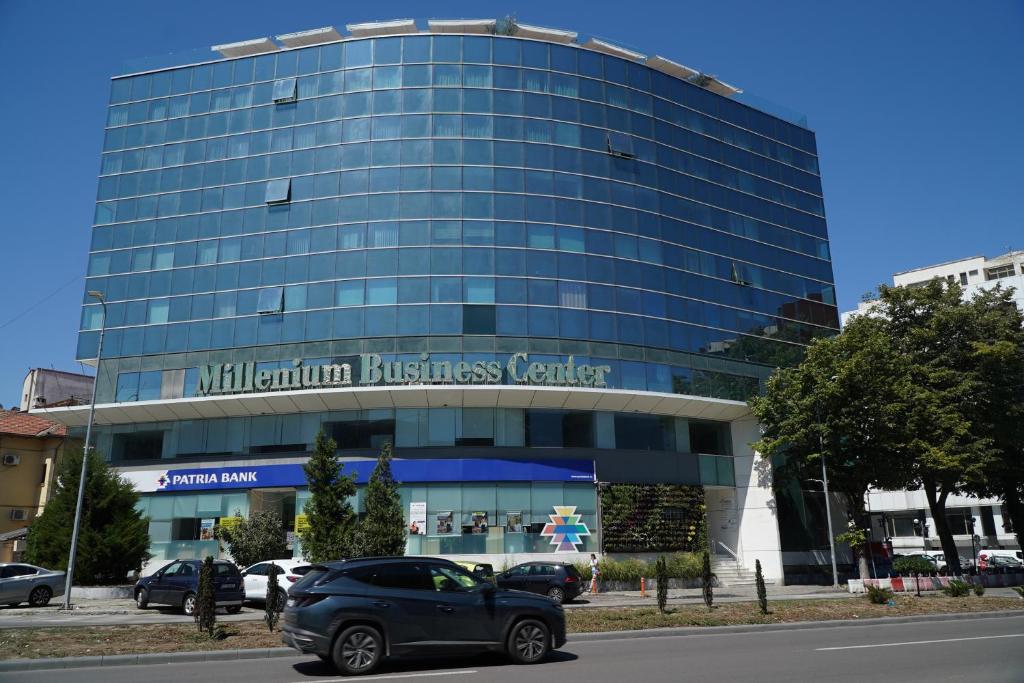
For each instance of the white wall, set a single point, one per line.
(758, 527)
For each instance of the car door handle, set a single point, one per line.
(381, 603)
(447, 609)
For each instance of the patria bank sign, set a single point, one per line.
(232, 378)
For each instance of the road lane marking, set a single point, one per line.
(920, 642)
(393, 676)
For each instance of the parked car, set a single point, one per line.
(355, 613)
(177, 584)
(257, 576)
(27, 583)
(557, 580)
(999, 562)
(480, 570)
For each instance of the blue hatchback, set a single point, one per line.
(178, 583)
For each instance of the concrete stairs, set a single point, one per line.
(730, 572)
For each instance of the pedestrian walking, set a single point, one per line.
(595, 574)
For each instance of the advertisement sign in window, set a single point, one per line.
(206, 529)
(418, 518)
(479, 522)
(445, 523)
(514, 522)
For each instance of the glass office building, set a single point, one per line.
(532, 263)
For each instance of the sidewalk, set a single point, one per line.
(693, 596)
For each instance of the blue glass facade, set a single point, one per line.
(467, 197)
(461, 190)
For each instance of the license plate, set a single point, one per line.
(228, 586)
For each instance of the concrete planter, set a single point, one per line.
(101, 592)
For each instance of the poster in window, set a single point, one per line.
(301, 524)
(514, 522)
(445, 522)
(417, 518)
(479, 522)
(230, 522)
(206, 529)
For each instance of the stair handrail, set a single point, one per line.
(728, 550)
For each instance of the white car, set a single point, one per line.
(288, 572)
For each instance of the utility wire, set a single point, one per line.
(42, 301)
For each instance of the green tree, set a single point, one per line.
(706, 579)
(762, 590)
(913, 565)
(113, 540)
(947, 445)
(206, 602)
(258, 537)
(381, 533)
(845, 402)
(273, 604)
(661, 576)
(329, 515)
(999, 353)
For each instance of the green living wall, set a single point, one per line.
(652, 518)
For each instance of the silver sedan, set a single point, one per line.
(27, 583)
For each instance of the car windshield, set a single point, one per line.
(453, 579)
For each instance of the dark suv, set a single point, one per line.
(178, 583)
(557, 580)
(355, 613)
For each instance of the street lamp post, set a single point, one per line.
(974, 553)
(828, 505)
(85, 459)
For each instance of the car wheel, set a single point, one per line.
(233, 609)
(282, 600)
(40, 596)
(358, 650)
(529, 642)
(188, 605)
(141, 599)
(556, 593)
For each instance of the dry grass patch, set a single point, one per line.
(780, 611)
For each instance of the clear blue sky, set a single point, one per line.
(917, 107)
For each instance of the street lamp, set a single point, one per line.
(824, 486)
(974, 553)
(85, 458)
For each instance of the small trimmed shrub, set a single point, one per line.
(706, 578)
(1019, 590)
(979, 589)
(957, 589)
(272, 606)
(206, 601)
(762, 591)
(879, 596)
(661, 574)
(678, 565)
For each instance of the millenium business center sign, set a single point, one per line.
(233, 378)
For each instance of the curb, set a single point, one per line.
(791, 626)
(273, 652)
(145, 659)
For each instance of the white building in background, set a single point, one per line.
(903, 516)
(47, 387)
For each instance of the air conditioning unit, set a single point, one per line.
(19, 515)
(12, 459)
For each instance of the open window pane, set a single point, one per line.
(279, 190)
(620, 145)
(285, 90)
(271, 300)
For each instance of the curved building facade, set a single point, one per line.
(533, 265)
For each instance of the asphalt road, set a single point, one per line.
(987, 649)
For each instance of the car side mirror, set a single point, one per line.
(158, 576)
(244, 574)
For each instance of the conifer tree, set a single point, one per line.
(661, 576)
(113, 539)
(762, 591)
(706, 578)
(382, 531)
(274, 604)
(206, 602)
(329, 515)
